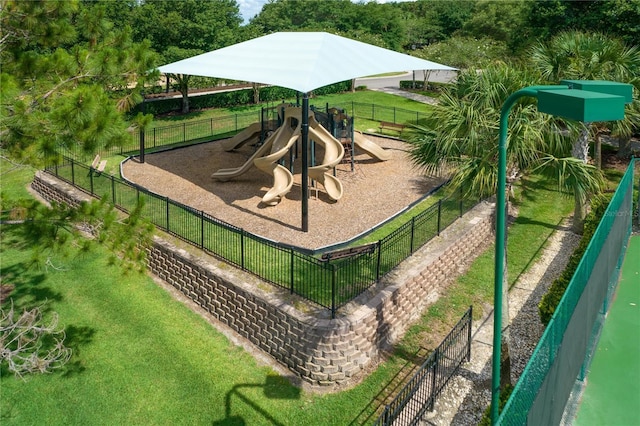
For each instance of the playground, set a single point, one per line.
(372, 190)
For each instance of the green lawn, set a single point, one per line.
(365, 96)
(140, 357)
(541, 209)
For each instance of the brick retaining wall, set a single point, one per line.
(321, 351)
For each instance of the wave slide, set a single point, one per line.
(266, 157)
(226, 174)
(370, 148)
(333, 153)
(283, 140)
(250, 135)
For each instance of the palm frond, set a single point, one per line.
(573, 175)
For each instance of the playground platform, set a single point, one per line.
(612, 392)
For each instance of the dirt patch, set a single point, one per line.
(373, 191)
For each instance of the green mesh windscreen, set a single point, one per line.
(546, 383)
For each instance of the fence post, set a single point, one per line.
(413, 231)
(469, 322)
(439, 214)
(91, 180)
(113, 190)
(242, 249)
(379, 260)
(184, 132)
(73, 172)
(167, 211)
(292, 275)
(333, 290)
(436, 362)
(141, 134)
(202, 229)
(385, 416)
(394, 114)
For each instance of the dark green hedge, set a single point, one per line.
(409, 84)
(234, 98)
(550, 300)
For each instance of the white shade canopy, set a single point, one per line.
(301, 61)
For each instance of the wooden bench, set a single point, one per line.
(98, 165)
(349, 252)
(391, 126)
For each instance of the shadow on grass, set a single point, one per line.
(76, 338)
(28, 289)
(374, 408)
(534, 256)
(167, 119)
(275, 387)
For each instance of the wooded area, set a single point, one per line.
(72, 68)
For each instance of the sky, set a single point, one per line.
(250, 8)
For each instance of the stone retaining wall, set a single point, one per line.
(321, 351)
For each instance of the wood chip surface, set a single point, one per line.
(373, 192)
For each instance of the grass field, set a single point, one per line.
(364, 96)
(141, 357)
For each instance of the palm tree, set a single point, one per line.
(460, 135)
(460, 139)
(586, 56)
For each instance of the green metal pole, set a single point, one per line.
(499, 259)
(500, 240)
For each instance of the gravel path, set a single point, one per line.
(466, 397)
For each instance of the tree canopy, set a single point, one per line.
(71, 69)
(68, 76)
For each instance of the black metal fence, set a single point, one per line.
(375, 112)
(330, 282)
(420, 393)
(198, 131)
(186, 133)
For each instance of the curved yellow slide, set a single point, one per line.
(249, 135)
(226, 174)
(333, 153)
(369, 147)
(284, 138)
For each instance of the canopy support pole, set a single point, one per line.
(305, 162)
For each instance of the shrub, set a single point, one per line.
(504, 397)
(419, 84)
(233, 98)
(551, 299)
